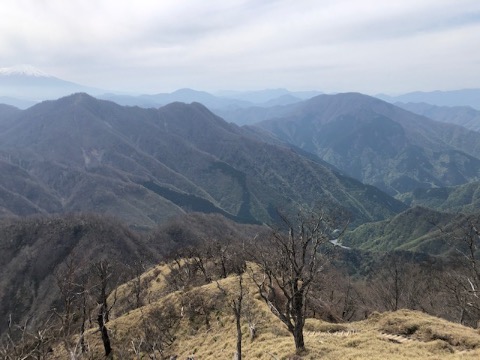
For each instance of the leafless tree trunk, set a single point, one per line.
(74, 301)
(158, 329)
(137, 285)
(389, 282)
(237, 311)
(103, 273)
(27, 342)
(465, 237)
(236, 304)
(289, 263)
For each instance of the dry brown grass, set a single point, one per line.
(421, 327)
(393, 335)
(155, 288)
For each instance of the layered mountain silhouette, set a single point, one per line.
(145, 165)
(379, 143)
(6, 112)
(25, 85)
(465, 116)
(224, 101)
(461, 198)
(181, 95)
(465, 97)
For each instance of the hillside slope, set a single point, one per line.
(35, 253)
(34, 250)
(379, 143)
(393, 335)
(144, 165)
(417, 229)
(459, 115)
(461, 198)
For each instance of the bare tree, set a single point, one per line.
(104, 280)
(458, 293)
(74, 307)
(200, 257)
(389, 282)
(463, 284)
(237, 311)
(137, 285)
(158, 329)
(24, 341)
(249, 315)
(236, 304)
(198, 305)
(289, 262)
(335, 297)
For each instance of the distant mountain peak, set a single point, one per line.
(187, 90)
(79, 96)
(24, 69)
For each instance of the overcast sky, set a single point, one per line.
(152, 46)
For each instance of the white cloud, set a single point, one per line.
(337, 45)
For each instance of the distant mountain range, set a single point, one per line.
(145, 165)
(84, 179)
(351, 134)
(376, 142)
(17, 102)
(465, 116)
(182, 95)
(466, 97)
(24, 85)
(226, 100)
(268, 96)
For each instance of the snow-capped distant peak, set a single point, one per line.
(26, 70)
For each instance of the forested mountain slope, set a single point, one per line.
(144, 165)
(379, 143)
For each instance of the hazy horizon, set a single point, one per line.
(366, 46)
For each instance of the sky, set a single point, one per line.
(151, 46)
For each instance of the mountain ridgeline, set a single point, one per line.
(24, 85)
(465, 116)
(379, 143)
(461, 198)
(145, 218)
(145, 165)
(465, 97)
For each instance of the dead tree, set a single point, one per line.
(24, 341)
(249, 315)
(159, 328)
(236, 303)
(289, 262)
(137, 284)
(103, 279)
(73, 294)
(390, 282)
(464, 235)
